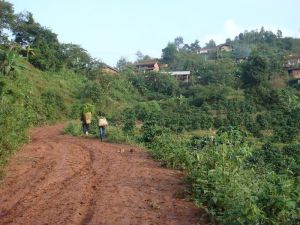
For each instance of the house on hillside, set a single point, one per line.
(206, 50)
(182, 76)
(292, 61)
(295, 74)
(147, 66)
(292, 64)
(109, 70)
(224, 48)
(219, 48)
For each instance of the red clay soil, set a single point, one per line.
(59, 179)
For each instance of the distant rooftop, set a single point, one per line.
(146, 63)
(176, 73)
(104, 65)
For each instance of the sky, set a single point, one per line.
(110, 29)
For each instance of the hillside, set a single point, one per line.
(31, 97)
(233, 123)
(232, 127)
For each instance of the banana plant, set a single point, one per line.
(29, 51)
(10, 60)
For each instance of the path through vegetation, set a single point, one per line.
(59, 179)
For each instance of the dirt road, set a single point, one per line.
(59, 179)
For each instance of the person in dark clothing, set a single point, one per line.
(85, 123)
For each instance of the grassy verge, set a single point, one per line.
(32, 98)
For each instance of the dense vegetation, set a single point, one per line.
(234, 128)
(42, 80)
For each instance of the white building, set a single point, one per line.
(181, 75)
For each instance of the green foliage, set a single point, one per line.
(6, 18)
(53, 105)
(171, 151)
(88, 107)
(47, 51)
(73, 128)
(283, 160)
(221, 72)
(13, 127)
(145, 109)
(43, 41)
(116, 135)
(155, 85)
(151, 129)
(223, 179)
(285, 134)
(75, 57)
(241, 51)
(255, 71)
(210, 94)
(129, 123)
(10, 61)
(169, 54)
(32, 98)
(238, 182)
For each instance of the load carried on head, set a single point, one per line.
(102, 122)
(87, 110)
(87, 117)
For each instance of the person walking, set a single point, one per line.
(102, 123)
(86, 119)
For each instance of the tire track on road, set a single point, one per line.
(59, 179)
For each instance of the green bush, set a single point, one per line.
(234, 189)
(235, 194)
(116, 135)
(144, 110)
(171, 151)
(285, 134)
(32, 98)
(88, 107)
(53, 105)
(73, 128)
(151, 129)
(282, 160)
(129, 123)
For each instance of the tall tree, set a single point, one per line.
(178, 41)
(75, 57)
(139, 56)
(6, 18)
(25, 29)
(194, 47)
(254, 71)
(48, 54)
(122, 63)
(28, 33)
(211, 44)
(228, 41)
(279, 34)
(169, 53)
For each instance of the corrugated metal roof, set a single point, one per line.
(174, 73)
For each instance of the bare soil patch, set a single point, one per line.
(59, 179)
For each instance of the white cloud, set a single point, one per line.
(231, 28)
